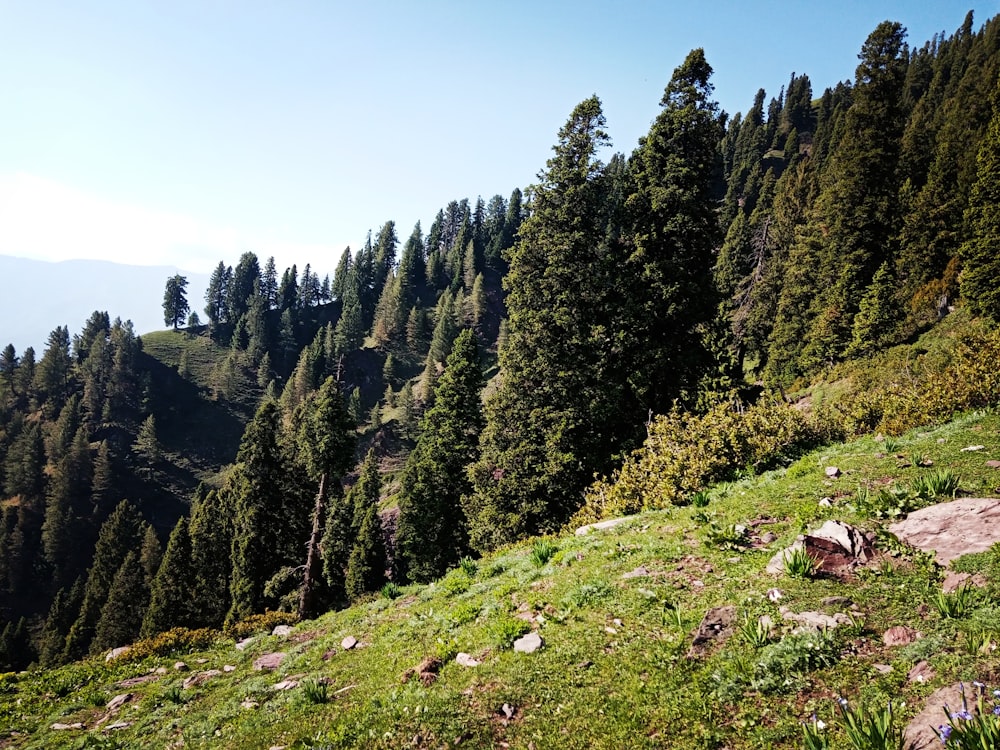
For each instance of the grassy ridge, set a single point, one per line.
(614, 670)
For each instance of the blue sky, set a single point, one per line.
(185, 132)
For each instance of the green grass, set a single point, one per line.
(614, 669)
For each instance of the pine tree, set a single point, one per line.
(981, 274)
(121, 617)
(52, 375)
(171, 592)
(246, 278)
(216, 295)
(269, 284)
(431, 534)
(210, 533)
(146, 443)
(175, 304)
(52, 640)
(545, 433)
(8, 367)
(367, 562)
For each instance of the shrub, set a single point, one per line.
(542, 551)
(261, 623)
(174, 641)
(799, 563)
(468, 566)
(505, 630)
(390, 590)
(315, 691)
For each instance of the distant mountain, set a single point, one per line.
(38, 296)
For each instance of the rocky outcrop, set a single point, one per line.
(952, 529)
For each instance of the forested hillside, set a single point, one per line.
(302, 442)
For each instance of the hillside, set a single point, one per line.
(616, 610)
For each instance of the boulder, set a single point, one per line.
(601, 525)
(241, 645)
(836, 546)
(952, 529)
(269, 661)
(901, 635)
(528, 644)
(815, 620)
(282, 630)
(119, 700)
(116, 652)
(921, 731)
(58, 727)
(348, 643)
(466, 660)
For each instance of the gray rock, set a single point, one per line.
(180, 666)
(119, 700)
(528, 644)
(348, 643)
(837, 601)
(640, 572)
(815, 620)
(282, 630)
(921, 672)
(993, 464)
(601, 525)
(118, 725)
(954, 581)
(285, 685)
(952, 529)
(716, 626)
(242, 645)
(900, 635)
(116, 652)
(832, 471)
(200, 678)
(57, 727)
(269, 661)
(228, 668)
(466, 660)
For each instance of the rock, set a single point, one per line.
(161, 670)
(116, 652)
(952, 529)
(119, 700)
(200, 678)
(228, 668)
(900, 635)
(249, 704)
(135, 681)
(826, 502)
(348, 643)
(954, 581)
(832, 472)
(241, 645)
(921, 672)
(815, 620)
(852, 539)
(837, 601)
(774, 595)
(180, 666)
(972, 448)
(993, 464)
(466, 660)
(118, 725)
(507, 710)
(882, 668)
(602, 525)
(285, 685)
(57, 727)
(716, 626)
(528, 644)
(282, 630)
(426, 671)
(836, 546)
(920, 732)
(269, 661)
(640, 572)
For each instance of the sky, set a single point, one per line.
(185, 132)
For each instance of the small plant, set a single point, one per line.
(978, 642)
(505, 630)
(755, 632)
(542, 551)
(940, 483)
(956, 604)
(700, 499)
(673, 614)
(315, 691)
(800, 564)
(468, 566)
(814, 735)
(966, 730)
(890, 445)
(871, 730)
(731, 536)
(390, 590)
(174, 694)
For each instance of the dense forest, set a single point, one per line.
(448, 394)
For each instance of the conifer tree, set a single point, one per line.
(171, 592)
(121, 617)
(431, 534)
(175, 304)
(216, 295)
(62, 612)
(8, 367)
(210, 533)
(367, 562)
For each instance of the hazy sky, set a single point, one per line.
(185, 132)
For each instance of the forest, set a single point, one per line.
(298, 443)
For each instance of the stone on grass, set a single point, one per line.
(180, 666)
(282, 630)
(640, 572)
(836, 547)
(921, 672)
(882, 668)
(466, 660)
(58, 727)
(815, 620)
(832, 471)
(954, 581)
(119, 700)
(348, 643)
(901, 635)
(116, 652)
(920, 732)
(228, 668)
(972, 448)
(200, 678)
(716, 626)
(993, 464)
(952, 529)
(135, 681)
(269, 661)
(528, 644)
(285, 685)
(601, 525)
(837, 601)
(241, 645)
(118, 725)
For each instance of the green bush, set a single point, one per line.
(262, 623)
(174, 641)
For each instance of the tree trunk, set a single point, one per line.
(307, 594)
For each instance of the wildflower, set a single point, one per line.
(963, 714)
(945, 731)
(996, 710)
(996, 693)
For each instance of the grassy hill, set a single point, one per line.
(616, 610)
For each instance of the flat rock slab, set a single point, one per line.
(601, 525)
(348, 643)
(716, 626)
(920, 732)
(952, 529)
(200, 678)
(119, 700)
(269, 661)
(815, 620)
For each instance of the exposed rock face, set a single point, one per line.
(952, 529)
(716, 626)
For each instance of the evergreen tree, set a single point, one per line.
(431, 534)
(171, 591)
(367, 562)
(246, 278)
(121, 617)
(8, 367)
(175, 304)
(146, 443)
(981, 275)
(269, 284)
(52, 375)
(545, 433)
(52, 640)
(216, 295)
(210, 532)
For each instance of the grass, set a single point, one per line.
(614, 670)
